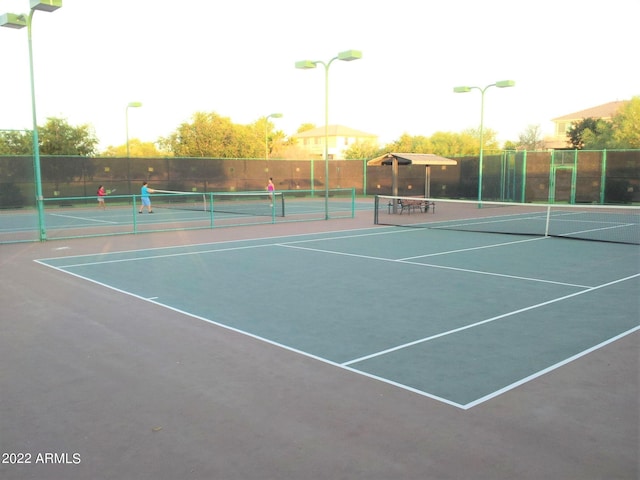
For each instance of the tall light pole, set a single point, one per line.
(345, 56)
(464, 89)
(126, 122)
(12, 20)
(126, 115)
(266, 136)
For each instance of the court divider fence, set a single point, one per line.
(84, 216)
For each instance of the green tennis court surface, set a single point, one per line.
(458, 317)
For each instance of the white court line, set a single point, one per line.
(441, 267)
(254, 336)
(291, 245)
(548, 369)
(85, 219)
(488, 320)
(473, 248)
(155, 257)
(345, 365)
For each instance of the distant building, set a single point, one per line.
(340, 139)
(561, 124)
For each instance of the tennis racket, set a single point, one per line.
(111, 191)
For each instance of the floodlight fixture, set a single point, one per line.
(462, 89)
(505, 83)
(12, 20)
(350, 55)
(305, 64)
(45, 5)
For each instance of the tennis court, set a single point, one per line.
(459, 318)
(353, 350)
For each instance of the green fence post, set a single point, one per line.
(603, 176)
(524, 178)
(135, 218)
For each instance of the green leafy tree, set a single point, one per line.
(621, 132)
(211, 135)
(62, 149)
(16, 142)
(489, 140)
(362, 150)
(448, 144)
(626, 126)
(576, 132)
(57, 137)
(136, 149)
(410, 144)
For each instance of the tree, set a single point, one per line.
(211, 135)
(626, 125)
(448, 144)
(16, 142)
(621, 132)
(56, 137)
(530, 139)
(410, 144)
(362, 150)
(136, 149)
(589, 126)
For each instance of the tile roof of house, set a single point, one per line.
(606, 110)
(335, 131)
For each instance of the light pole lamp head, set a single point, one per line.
(461, 89)
(305, 64)
(12, 20)
(505, 83)
(45, 5)
(134, 104)
(350, 55)
(275, 115)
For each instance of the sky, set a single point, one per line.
(236, 58)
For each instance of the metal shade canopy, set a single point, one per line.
(396, 159)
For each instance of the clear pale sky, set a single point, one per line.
(236, 58)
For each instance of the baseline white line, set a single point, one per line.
(441, 267)
(488, 320)
(548, 369)
(256, 337)
(155, 257)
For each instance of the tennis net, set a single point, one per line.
(606, 223)
(237, 203)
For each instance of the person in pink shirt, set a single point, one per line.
(270, 188)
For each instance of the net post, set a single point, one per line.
(546, 228)
(282, 202)
(376, 204)
(211, 209)
(353, 202)
(272, 197)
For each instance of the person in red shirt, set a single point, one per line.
(101, 194)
